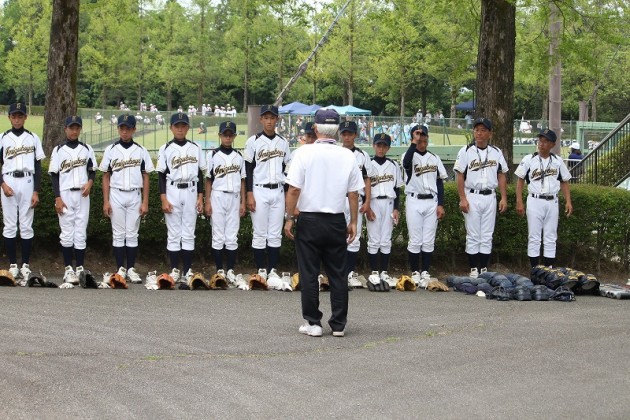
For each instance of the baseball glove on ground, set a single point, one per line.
(382, 286)
(116, 281)
(87, 280)
(218, 282)
(563, 294)
(6, 278)
(324, 284)
(197, 282)
(256, 282)
(588, 283)
(295, 281)
(165, 282)
(37, 279)
(405, 284)
(437, 286)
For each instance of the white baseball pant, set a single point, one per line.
(422, 223)
(355, 245)
(181, 222)
(480, 220)
(125, 216)
(268, 219)
(225, 219)
(74, 221)
(380, 230)
(542, 221)
(16, 210)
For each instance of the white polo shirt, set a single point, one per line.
(325, 173)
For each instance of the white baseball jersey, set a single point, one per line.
(365, 166)
(270, 156)
(72, 164)
(181, 163)
(126, 165)
(226, 170)
(425, 170)
(19, 153)
(543, 176)
(480, 166)
(386, 177)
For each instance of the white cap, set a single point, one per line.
(575, 145)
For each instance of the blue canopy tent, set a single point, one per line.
(349, 110)
(290, 108)
(466, 106)
(307, 109)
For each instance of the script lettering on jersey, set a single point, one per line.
(69, 164)
(120, 164)
(265, 155)
(538, 174)
(475, 164)
(223, 170)
(375, 180)
(176, 162)
(12, 152)
(421, 170)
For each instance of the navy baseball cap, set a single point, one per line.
(383, 138)
(227, 126)
(17, 107)
(419, 127)
(326, 116)
(350, 126)
(486, 123)
(308, 128)
(180, 117)
(74, 120)
(127, 120)
(548, 134)
(268, 108)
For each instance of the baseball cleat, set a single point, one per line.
(473, 273)
(122, 272)
(416, 277)
(25, 271)
(374, 278)
(262, 273)
(69, 276)
(175, 274)
(388, 279)
(353, 280)
(425, 278)
(231, 277)
(151, 281)
(14, 270)
(133, 276)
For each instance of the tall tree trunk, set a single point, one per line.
(495, 71)
(555, 78)
(351, 58)
(594, 106)
(169, 98)
(63, 54)
(453, 114)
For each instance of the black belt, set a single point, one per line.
(227, 192)
(544, 197)
(381, 197)
(270, 186)
(129, 190)
(182, 185)
(19, 174)
(421, 196)
(482, 192)
(75, 189)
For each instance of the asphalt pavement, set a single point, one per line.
(234, 354)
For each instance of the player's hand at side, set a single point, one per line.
(520, 208)
(144, 209)
(464, 206)
(167, 207)
(365, 207)
(288, 229)
(352, 232)
(568, 209)
(199, 205)
(34, 199)
(8, 191)
(60, 206)
(85, 190)
(242, 209)
(371, 216)
(251, 202)
(107, 209)
(207, 210)
(503, 205)
(440, 212)
(395, 217)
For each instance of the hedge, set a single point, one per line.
(597, 232)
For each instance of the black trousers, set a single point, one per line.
(321, 238)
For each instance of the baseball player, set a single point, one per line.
(383, 213)
(266, 156)
(308, 137)
(348, 133)
(126, 166)
(480, 168)
(225, 197)
(180, 166)
(424, 204)
(546, 175)
(20, 176)
(73, 170)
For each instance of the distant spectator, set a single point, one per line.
(202, 128)
(468, 119)
(98, 117)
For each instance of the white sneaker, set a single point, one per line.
(133, 276)
(187, 277)
(483, 270)
(25, 271)
(416, 277)
(473, 273)
(389, 280)
(353, 280)
(263, 273)
(241, 283)
(286, 282)
(221, 272)
(151, 283)
(69, 276)
(628, 282)
(274, 281)
(231, 277)
(338, 333)
(122, 272)
(311, 330)
(14, 270)
(175, 275)
(374, 278)
(425, 278)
